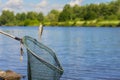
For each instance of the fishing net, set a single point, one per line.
(42, 61)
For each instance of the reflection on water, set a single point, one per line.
(85, 53)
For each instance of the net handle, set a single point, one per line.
(11, 36)
(19, 39)
(16, 38)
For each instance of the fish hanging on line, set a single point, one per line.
(40, 30)
(21, 51)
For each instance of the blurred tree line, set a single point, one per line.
(103, 11)
(21, 19)
(70, 15)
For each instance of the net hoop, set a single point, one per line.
(58, 68)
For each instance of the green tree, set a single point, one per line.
(32, 15)
(21, 16)
(77, 12)
(90, 16)
(112, 17)
(114, 6)
(7, 17)
(66, 14)
(104, 9)
(91, 12)
(53, 15)
(40, 17)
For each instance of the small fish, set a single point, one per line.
(40, 30)
(21, 58)
(21, 52)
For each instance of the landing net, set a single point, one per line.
(42, 61)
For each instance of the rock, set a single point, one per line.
(9, 75)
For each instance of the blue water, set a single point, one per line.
(84, 53)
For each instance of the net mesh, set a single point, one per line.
(42, 61)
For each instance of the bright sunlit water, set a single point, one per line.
(85, 53)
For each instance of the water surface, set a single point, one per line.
(84, 53)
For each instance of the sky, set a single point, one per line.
(41, 5)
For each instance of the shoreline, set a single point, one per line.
(91, 23)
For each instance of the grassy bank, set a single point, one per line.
(91, 23)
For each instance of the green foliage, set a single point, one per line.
(111, 17)
(21, 16)
(101, 14)
(7, 17)
(40, 17)
(32, 15)
(76, 12)
(63, 17)
(90, 16)
(53, 16)
(29, 22)
(66, 14)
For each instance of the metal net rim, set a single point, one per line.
(58, 69)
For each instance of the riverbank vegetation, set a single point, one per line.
(103, 14)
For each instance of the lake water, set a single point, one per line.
(85, 53)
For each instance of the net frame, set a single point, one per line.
(57, 68)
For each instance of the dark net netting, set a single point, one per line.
(42, 61)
